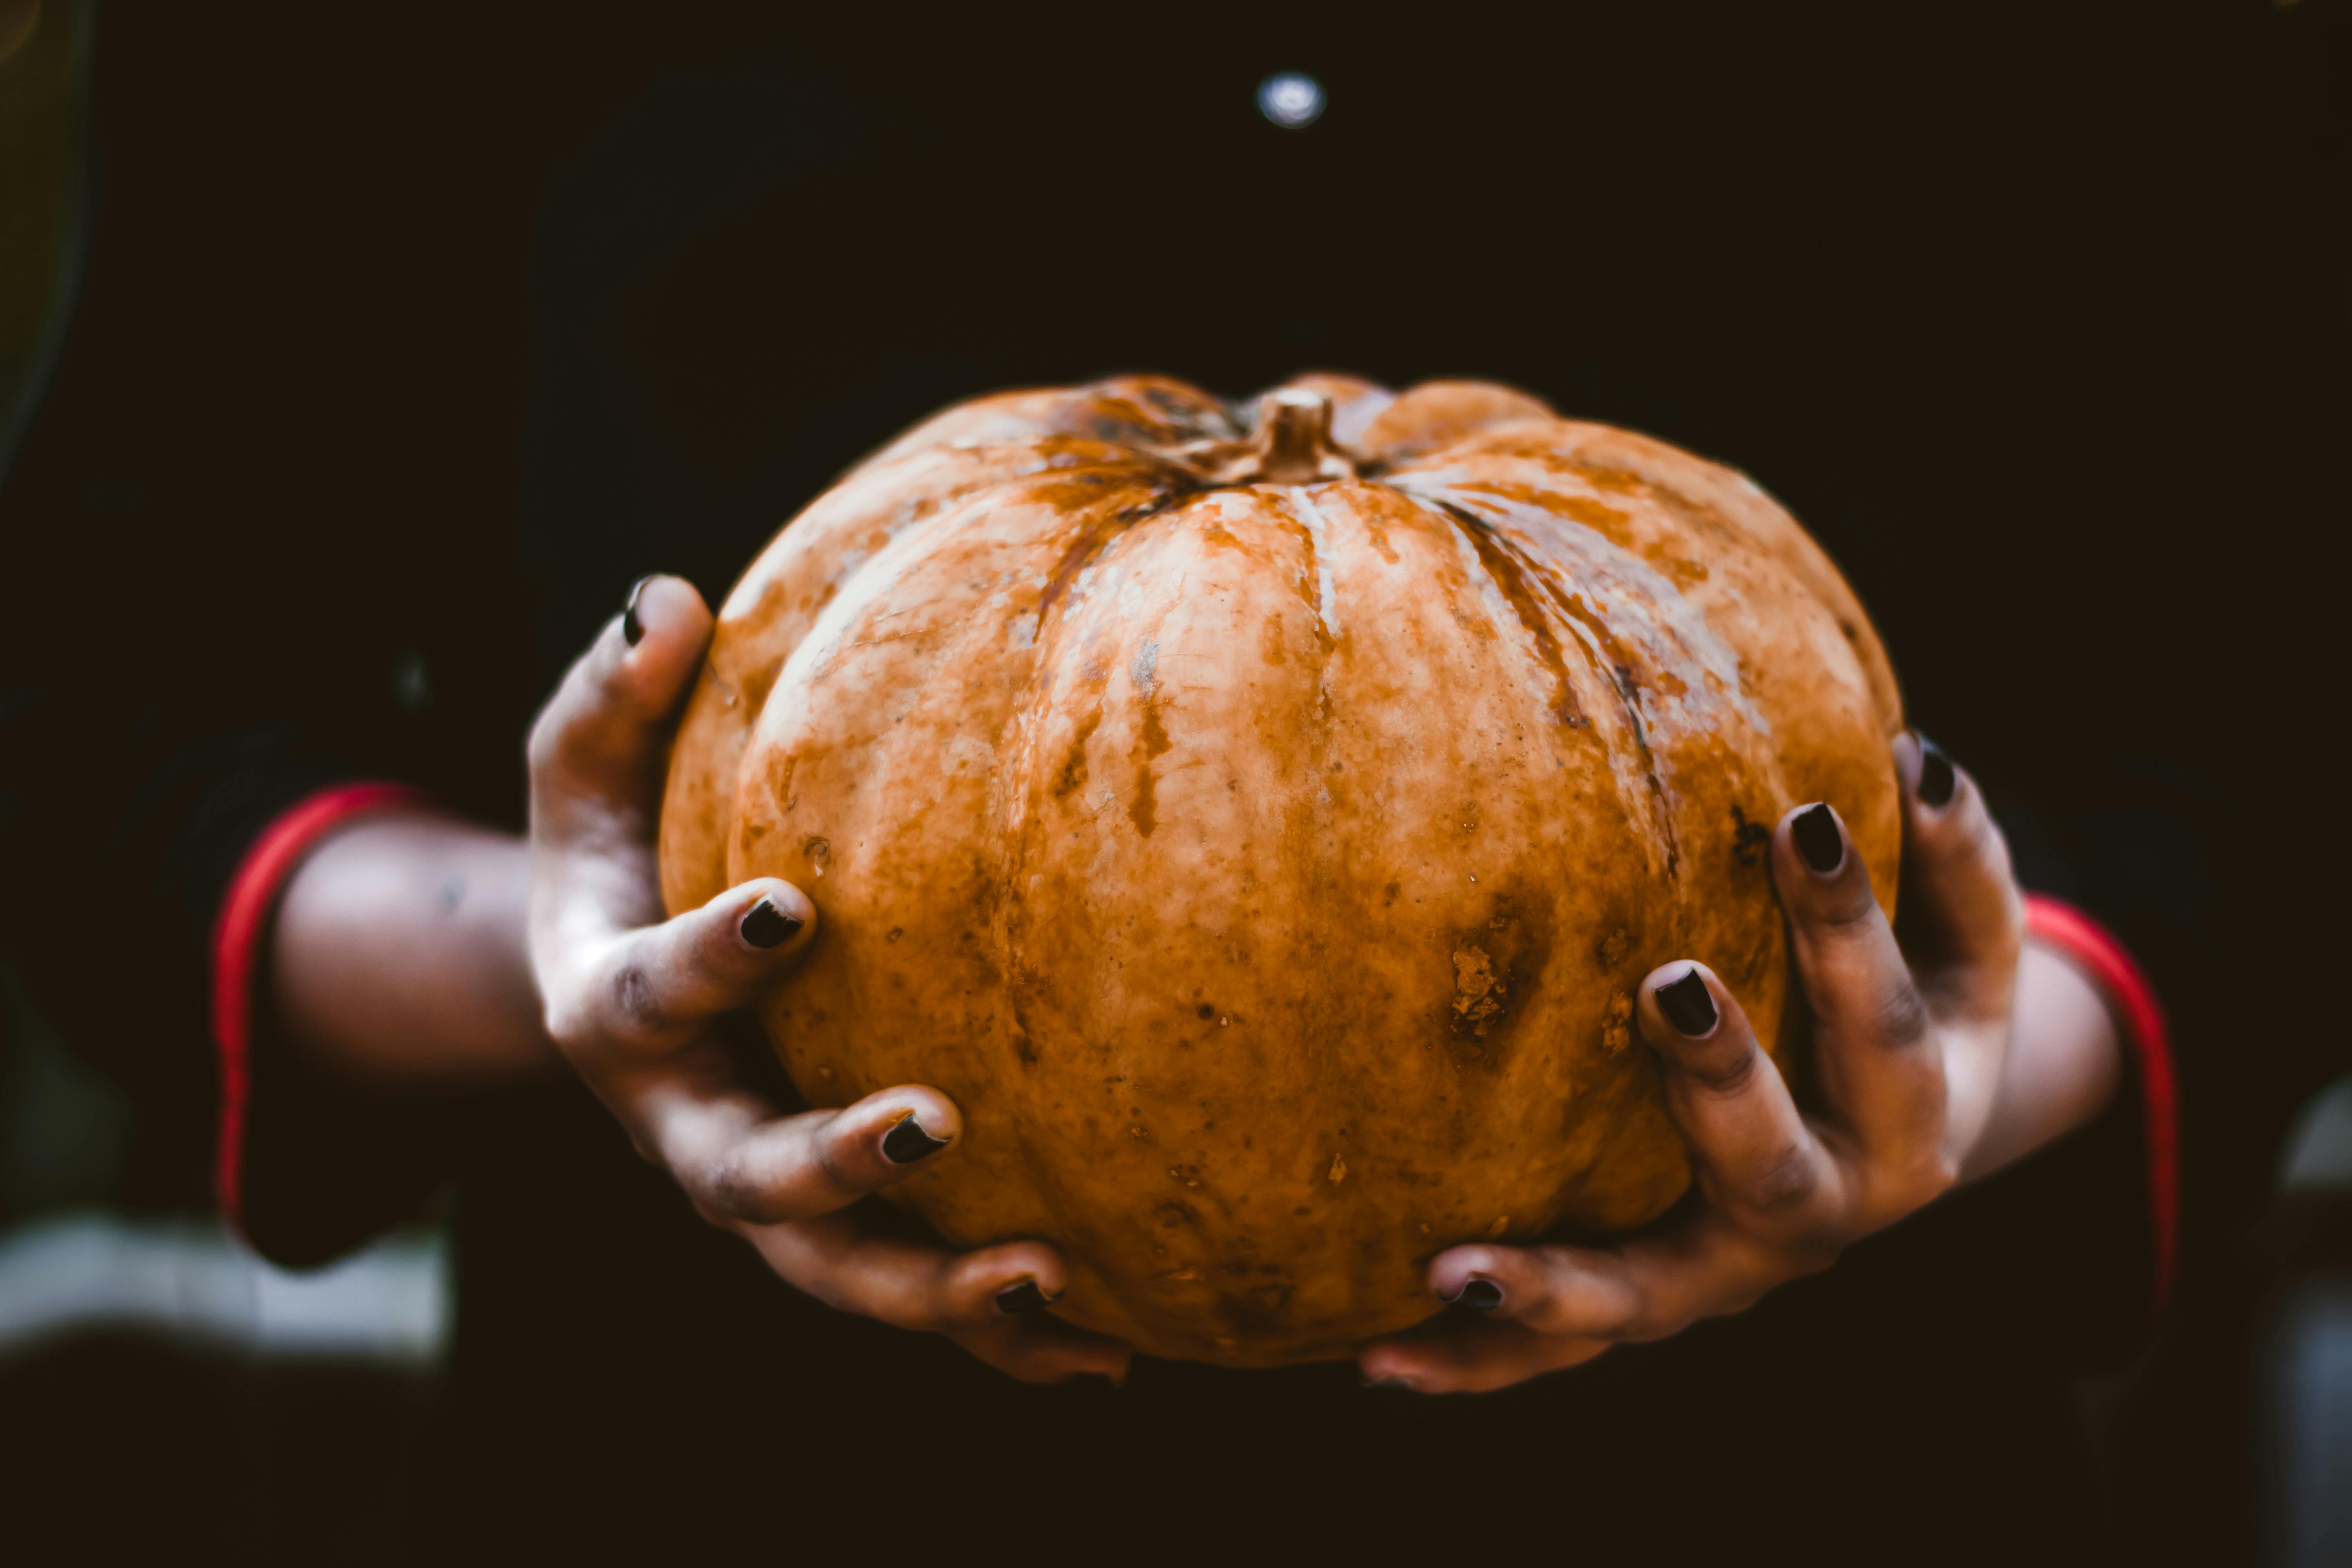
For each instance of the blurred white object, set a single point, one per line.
(2319, 1149)
(2308, 1420)
(390, 1302)
(2310, 1471)
(1292, 100)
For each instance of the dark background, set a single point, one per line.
(400, 350)
(2028, 314)
(401, 342)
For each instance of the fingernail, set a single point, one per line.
(768, 926)
(1937, 781)
(908, 1142)
(633, 630)
(1689, 1005)
(1024, 1297)
(1818, 840)
(1478, 1295)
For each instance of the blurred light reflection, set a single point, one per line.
(1292, 100)
(196, 1282)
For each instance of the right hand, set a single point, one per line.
(632, 1000)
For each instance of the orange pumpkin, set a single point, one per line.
(1258, 818)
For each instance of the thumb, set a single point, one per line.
(599, 741)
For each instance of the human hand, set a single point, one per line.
(1909, 1042)
(632, 1002)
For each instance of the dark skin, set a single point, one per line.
(1942, 1057)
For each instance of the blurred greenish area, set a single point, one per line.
(63, 1124)
(45, 50)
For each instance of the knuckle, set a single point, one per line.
(1725, 1073)
(729, 1187)
(1847, 910)
(635, 1000)
(1785, 1184)
(1901, 1018)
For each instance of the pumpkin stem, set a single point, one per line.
(1293, 443)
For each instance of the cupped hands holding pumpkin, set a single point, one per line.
(633, 1000)
(1938, 1056)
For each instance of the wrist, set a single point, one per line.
(398, 956)
(2064, 1059)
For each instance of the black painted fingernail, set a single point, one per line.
(908, 1142)
(768, 926)
(1819, 840)
(633, 630)
(1936, 779)
(1478, 1295)
(1022, 1297)
(1689, 1005)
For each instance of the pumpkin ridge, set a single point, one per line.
(1510, 570)
(1510, 565)
(1097, 536)
(1313, 579)
(1614, 669)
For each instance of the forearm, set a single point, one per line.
(2064, 1061)
(399, 956)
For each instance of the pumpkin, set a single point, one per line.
(1259, 818)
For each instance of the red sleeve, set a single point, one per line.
(2139, 1017)
(237, 936)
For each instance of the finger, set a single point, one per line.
(1871, 1039)
(1469, 1355)
(1009, 1327)
(1963, 917)
(1644, 1290)
(739, 1166)
(1046, 1350)
(1757, 1161)
(908, 1284)
(654, 987)
(982, 1297)
(600, 739)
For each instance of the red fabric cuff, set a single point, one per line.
(2095, 950)
(237, 942)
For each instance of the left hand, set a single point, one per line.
(1910, 1043)
(633, 1002)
